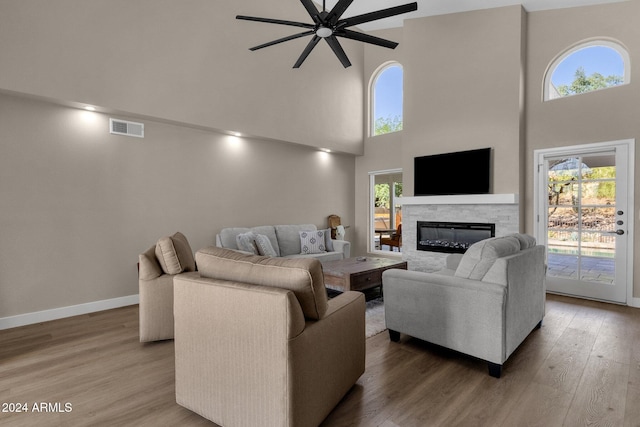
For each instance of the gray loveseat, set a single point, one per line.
(484, 304)
(285, 240)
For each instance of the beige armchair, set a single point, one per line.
(257, 343)
(484, 304)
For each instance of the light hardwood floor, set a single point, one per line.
(581, 368)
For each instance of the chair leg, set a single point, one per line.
(495, 370)
(394, 335)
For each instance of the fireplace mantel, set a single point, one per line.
(467, 199)
(503, 210)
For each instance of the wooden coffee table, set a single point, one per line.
(357, 274)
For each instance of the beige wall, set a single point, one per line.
(600, 116)
(474, 79)
(79, 204)
(185, 61)
(382, 152)
(463, 89)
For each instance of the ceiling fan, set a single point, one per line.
(329, 26)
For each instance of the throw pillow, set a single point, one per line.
(312, 242)
(247, 242)
(264, 246)
(148, 266)
(174, 254)
(327, 240)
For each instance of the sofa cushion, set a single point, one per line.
(289, 237)
(228, 236)
(303, 276)
(270, 232)
(247, 242)
(148, 266)
(481, 255)
(312, 242)
(264, 246)
(174, 254)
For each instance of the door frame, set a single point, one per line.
(540, 195)
(372, 196)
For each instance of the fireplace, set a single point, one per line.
(451, 237)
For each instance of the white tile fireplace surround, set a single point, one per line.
(499, 209)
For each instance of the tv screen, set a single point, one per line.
(462, 172)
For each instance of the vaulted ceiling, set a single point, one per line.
(441, 7)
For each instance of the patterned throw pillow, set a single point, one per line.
(264, 246)
(312, 242)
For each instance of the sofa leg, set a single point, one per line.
(539, 325)
(495, 370)
(394, 335)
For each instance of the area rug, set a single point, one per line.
(374, 317)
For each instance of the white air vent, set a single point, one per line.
(121, 127)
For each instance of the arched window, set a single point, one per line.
(386, 99)
(588, 66)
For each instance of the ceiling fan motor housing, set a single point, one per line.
(324, 32)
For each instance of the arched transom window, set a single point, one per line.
(386, 99)
(589, 66)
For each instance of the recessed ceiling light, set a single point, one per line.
(326, 150)
(236, 134)
(90, 108)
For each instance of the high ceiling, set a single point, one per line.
(441, 7)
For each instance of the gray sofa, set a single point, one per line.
(484, 304)
(286, 241)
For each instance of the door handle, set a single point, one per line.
(618, 232)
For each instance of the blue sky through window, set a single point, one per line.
(388, 93)
(594, 59)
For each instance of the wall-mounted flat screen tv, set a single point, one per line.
(462, 172)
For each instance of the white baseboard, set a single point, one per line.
(62, 312)
(634, 302)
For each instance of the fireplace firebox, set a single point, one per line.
(452, 237)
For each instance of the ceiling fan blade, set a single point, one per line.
(366, 38)
(338, 10)
(312, 10)
(275, 21)
(337, 49)
(374, 16)
(307, 50)
(284, 39)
